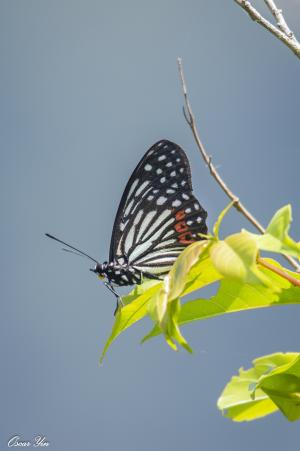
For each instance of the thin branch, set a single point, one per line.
(190, 118)
(278, 15)
(280, 272)
(283, 33)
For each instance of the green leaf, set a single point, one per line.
(273, 383)
(179, 274)
(172, 332)
(202, 274)
(165, 305)
(235, 257)
(282, 386)
(135, 309)
(276, 237)
(235, 295)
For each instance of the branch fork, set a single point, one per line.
(281, 31)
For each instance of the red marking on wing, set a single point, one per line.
(180, 215)
(186, 238)
(181, 227)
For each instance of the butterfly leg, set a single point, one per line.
(119, 300)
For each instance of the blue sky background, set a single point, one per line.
(86, 87)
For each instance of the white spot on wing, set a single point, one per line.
(176, 203)
(148, 167)
(162, 157)
(173, 173)
(161, 200)
(162, 180)
(158, 171)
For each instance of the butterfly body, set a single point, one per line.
(117, 274)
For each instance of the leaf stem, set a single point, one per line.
(279, 272)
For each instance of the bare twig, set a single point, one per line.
(283, 33)
(190, 118)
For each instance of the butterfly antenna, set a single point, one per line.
(72, 252)
(71, 247)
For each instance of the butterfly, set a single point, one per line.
(157, 218)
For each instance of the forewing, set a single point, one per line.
(158, 215)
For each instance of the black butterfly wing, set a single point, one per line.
(158, 215)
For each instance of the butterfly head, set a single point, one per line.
(99, 269)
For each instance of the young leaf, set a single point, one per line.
(165, 305)
(219, 221)
(276, 237)
(235, 257)
(273, 383)
(173, 333)
(179, 274)
(203, 273)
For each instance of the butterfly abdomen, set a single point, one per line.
(120, 274)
